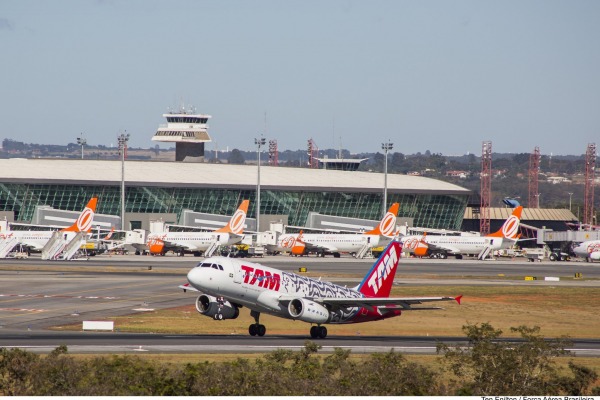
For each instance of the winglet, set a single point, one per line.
(458, 299)
(85, 219)
(237, 221)
(510, 228)
(387, 225)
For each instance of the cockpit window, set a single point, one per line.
(209, 265)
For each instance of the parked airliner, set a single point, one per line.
(36, 240)
(590, 250)
(336, 243)
(228, 284)
(439, 246)
(159, 243)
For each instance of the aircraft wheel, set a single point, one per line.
(322, 332)
(218, 317)
(443, 256)
(314, 333)
(252, 330)
(261, 330)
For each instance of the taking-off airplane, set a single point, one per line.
(439, 246)
(36, 240)
(229, 284)
(159, 243)
(336, 243)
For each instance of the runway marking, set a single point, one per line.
(58, 296)
(23, 309)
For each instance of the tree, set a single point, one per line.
(490, 366)
(236, 157)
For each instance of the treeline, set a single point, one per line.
(486, 366)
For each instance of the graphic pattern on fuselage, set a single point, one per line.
(311, 288)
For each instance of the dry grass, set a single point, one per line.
(559, 311)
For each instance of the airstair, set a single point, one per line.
(484, 253)
(53, 246)
(364, 250)
(6, 245)
(214, 245)
(60, 248)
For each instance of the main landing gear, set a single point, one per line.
(318, 332)
(256, 329)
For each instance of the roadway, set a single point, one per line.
(36, 295)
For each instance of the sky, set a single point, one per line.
(435, 75)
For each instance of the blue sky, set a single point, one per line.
(434, 75)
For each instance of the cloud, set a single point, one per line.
(5, 25)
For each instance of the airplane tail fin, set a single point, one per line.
(299, 245)
(510, 228)
(85, 219)
(237, 221)
(380, 278)
(387, 225)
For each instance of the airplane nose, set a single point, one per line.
(195, 276)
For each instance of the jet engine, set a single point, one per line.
(308, 311)
(219, 310)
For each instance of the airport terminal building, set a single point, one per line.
(166, 190)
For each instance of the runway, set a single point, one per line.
(36, 295)
(131, 343)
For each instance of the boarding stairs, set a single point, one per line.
(54, 246)
(6, 245)
(60, 248)
(73, 246)
(214, 245)
(364, 250)
(485, 252)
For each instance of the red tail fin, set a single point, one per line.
(387, 225)
(378, 281)
(510, 228)
(236, 223)
(85, 219)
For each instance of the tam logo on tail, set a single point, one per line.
(378, 282)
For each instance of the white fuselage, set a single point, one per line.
(35, 240)
(341, 242)
(259, 287)
(192, 241)
(455, 244)
(589, 250)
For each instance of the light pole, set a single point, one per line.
(82, 142)
(570, 196)
(123, 138)
(258, 142)
(386, 148)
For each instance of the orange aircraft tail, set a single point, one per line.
(510, 228)
(85, 219)
(387, 225)
(237, 221)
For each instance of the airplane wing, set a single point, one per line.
(169, 245)
(381, 303)
(447, 249)
(403, 303)
(315, 247)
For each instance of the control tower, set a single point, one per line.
(188, 130)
